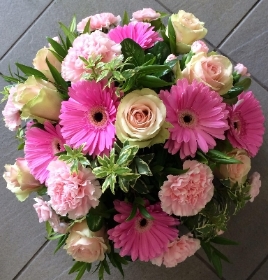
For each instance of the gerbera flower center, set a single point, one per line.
(98, 116)
(56, 146)
(187, 119)
(143, 224)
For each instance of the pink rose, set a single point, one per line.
(178, 251)
(19, 180)
(214, 71)
(99, 21)
(43, 209)
(236, 172)
(11, 113)
(72, 193)
(199, 46)
(241, 69)
(187, 194)
(171, 57)
(84, 245)
(255, 183)
(146, 14)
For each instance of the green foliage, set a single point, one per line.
(172, 37)
(126, 19)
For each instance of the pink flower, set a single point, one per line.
(246, 123)
(241, 69)
(255, 183)
(43, 210)
(86, 46)
(140, 32)
(72, 193)
(187, 194)
(171, 57)
(197, 115)
(99, 21)
(178, 251)
(199, 46)
(19, 179)
(11, 113)
(141, 238)
(41, 145)
(89, 116)
(146, 14)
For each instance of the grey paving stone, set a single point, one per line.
(248, 43)
(220, 16)
(262, 273)
(15, 18)
(47, 266)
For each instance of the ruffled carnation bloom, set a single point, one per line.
(88, 46)
(146, 14)
(141, 238)
(178, 251)
(140, 32)
(43, 209)
(99, 21)
(84, 245)
(11, 113)
(41, 145)
(255, 183)
(197, 115)
(19, 179)
(246, 124)
(241, 69)
(88, 117)
(188, 193)
(72, 193)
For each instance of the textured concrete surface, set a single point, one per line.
(239, 30)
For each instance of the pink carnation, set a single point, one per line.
(72, 193)
(99, 21)
(146, 14)
(140, 32)
(241, 69)
(187, 194)
(178, 251)
(11, 113)
(199, 46)
(87, 45)
(43, 209)
(255, 183)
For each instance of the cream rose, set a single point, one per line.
(141, 118)
(215, 71)
(188, 29)
(40, 64)
(19, 180)
(38, 99)
(236, 172)
(84, 245)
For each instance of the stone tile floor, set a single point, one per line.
(238, 29)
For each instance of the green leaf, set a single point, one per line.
(145, 213)
(87, 28)
(161, 51)
(89, 266)
(61, 242)
(206, 247)
(112, 183)
(245, 83)
(216, 261)
(201, 157)
(42, 191)
(106, 266)
(100, 172)
(172, 37)
(29, 71)
(76, 267)
(103, 161)
(233, 92)
(55, 236)
(130, 176)
(142, 167)
(57, 47)
(70, 35)
(101, 272)
(223, 241)
(152, 82)
(48, 228)
(132, 213)
(122, 170)
(147, 157)
(125, 20)
(123, 184)
(73, 24)
(174, 171)
(57, 77)
(141, 187)
(94, 222)
(106, 184)
(127, 154)
(156, 70)
(220, 157)
(220, 254)
(133, 50)
(81, 272)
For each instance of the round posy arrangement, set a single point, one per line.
(130, 133)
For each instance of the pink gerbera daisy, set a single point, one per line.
(41, 145)
(142, 238)
(197, 115)
(140, 32)
(246, 123)
(88, 117)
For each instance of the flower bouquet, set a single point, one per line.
(137, 140)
